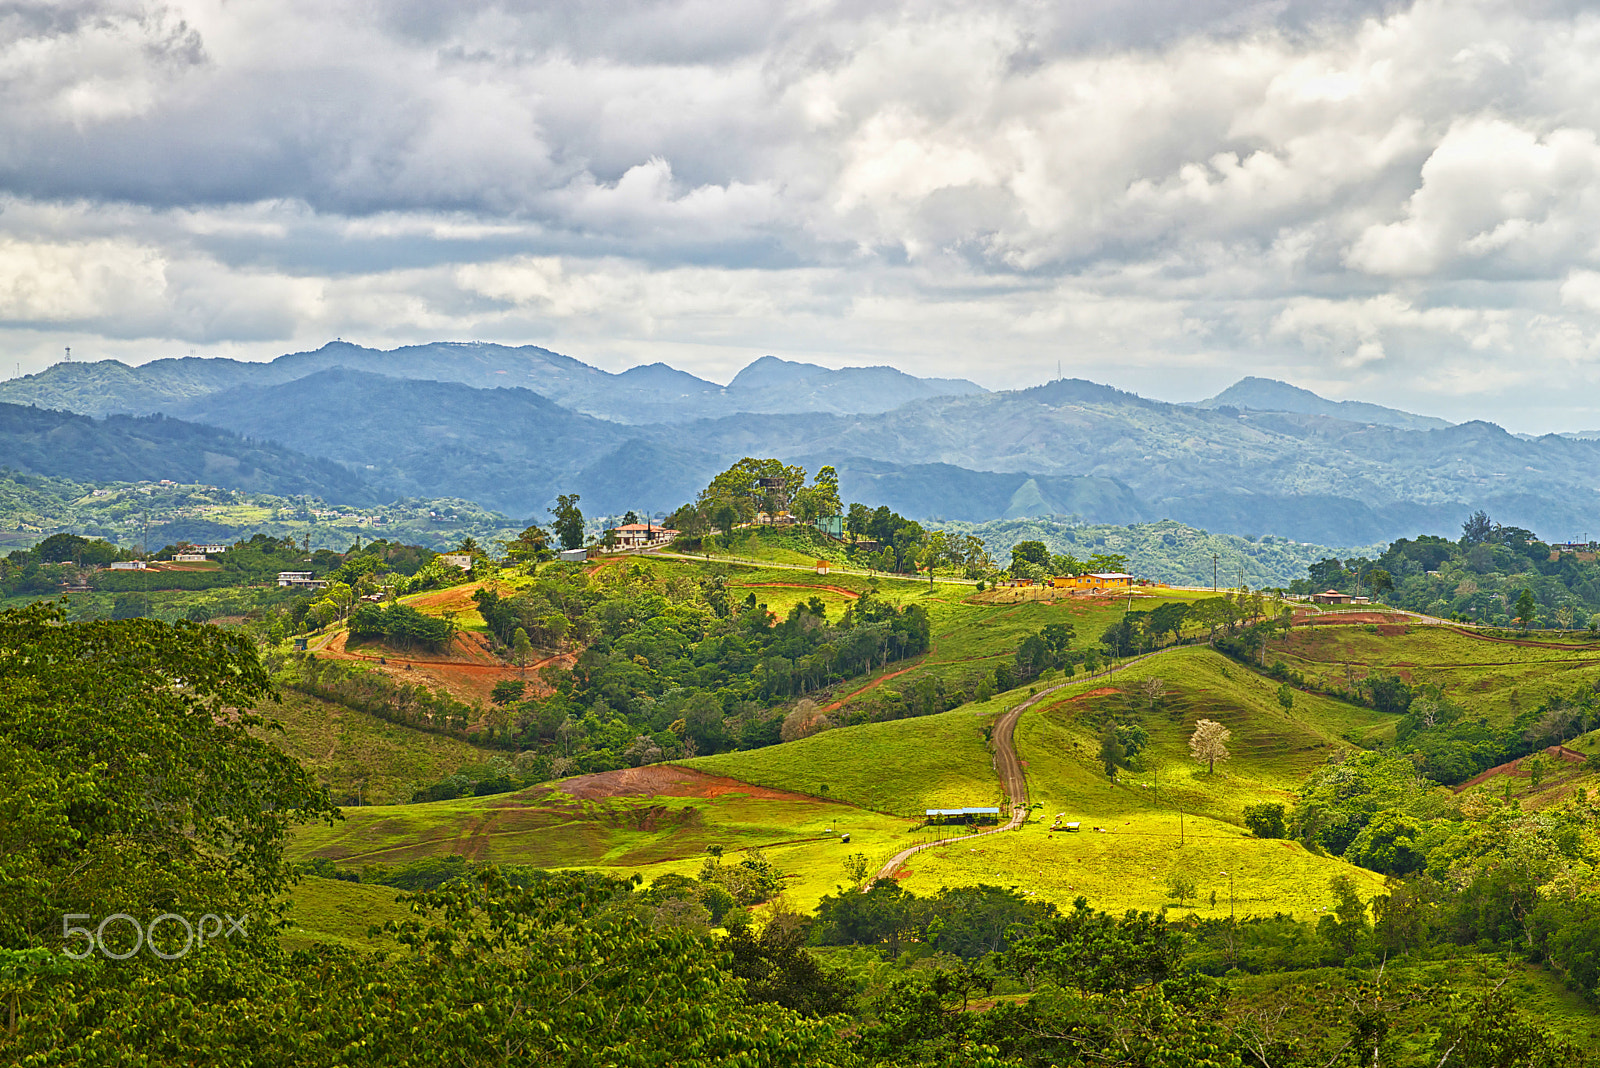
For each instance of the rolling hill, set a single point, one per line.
(131, 449)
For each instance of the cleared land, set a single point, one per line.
(646, 820)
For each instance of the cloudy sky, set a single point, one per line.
(1390, 202)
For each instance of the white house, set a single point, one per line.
(210, 549)
(641, 535)
(300, 579)
(189, 558)
(128, 565)
(461, 560)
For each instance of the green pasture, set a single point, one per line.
(1127, 865)
(1478, 673)
(332, 910)
(351, 751)
(902, 766)
(647, 835)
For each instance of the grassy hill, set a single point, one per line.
(358, 754)
(659, 820)
(1479, 672)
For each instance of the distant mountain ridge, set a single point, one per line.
(1270, 395)
(512, 427)
(654, 393)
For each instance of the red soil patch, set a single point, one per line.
(852, 594)
(1104, 691)
(666, 780)
(467, 673)
(456, 597)
(1514, 767)
(875, 682)
(1338, 619)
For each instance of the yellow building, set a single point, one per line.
(1104, 580)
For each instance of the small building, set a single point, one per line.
(300, 580)
(963, 815)
(641, 535)
(189, 558)
(210, 550)
(1101, 580)
(831, 525)
(1330, 597)
(461, 560)
(822, 567)
(128, 565)
(573, 556)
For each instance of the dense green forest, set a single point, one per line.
(663, 651)
(1478, 578)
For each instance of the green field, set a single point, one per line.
(332, 910)
(624, 834)
(902, 767)
(1479, 673)
(355, 752)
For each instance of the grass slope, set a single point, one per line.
(1126, 864)
(1479, 673)
(902, 767)
(649, 835)
(348, 750)
(331, 910)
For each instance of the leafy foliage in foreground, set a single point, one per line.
(128, 780)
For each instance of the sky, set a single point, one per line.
(1389, 202)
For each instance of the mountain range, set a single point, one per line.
(511, 427)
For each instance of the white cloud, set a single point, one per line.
(1160, 194)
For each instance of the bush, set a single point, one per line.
(1265, 820)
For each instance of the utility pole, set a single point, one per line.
(1213, 572)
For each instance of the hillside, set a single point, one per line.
(1263, 458)
(1307, 477)
(131, 449)
(508, 449)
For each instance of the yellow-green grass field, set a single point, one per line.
(1127, 866)
(902, 767)
(624, 835)
(332, 910)
(350, 750)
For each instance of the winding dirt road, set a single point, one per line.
(1009, 768)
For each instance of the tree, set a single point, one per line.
(1111, 751)
(1286, 698)
(133, 774)
(1526, 609)
(856, 865)
(1026, 553)
(1180, 885)
(1477, 530)
(507, 690)
(1389, 694)
(857, 519)
(1208, 743)
(568, 522)
(521, 649)
(1379, 581)
(1265, 820)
